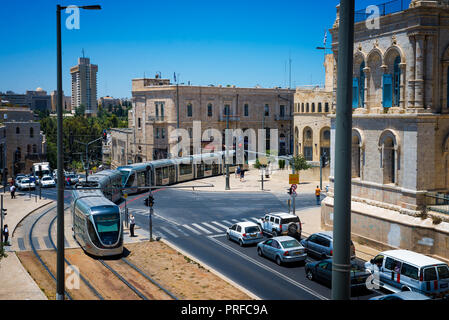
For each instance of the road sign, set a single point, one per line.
(293, 178)
(294, 186)
(125, 195)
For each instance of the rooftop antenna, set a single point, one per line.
(290, 70)
(82, 52)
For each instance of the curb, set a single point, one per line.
(206, 266)
(32, 211)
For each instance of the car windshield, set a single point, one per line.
(252, 229)
(290, 244)
(289, 220)
(46, 179)
(25, 181)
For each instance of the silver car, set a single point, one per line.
(282, 249)
(245, 233)
(26, 184)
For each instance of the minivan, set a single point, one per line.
(404, 270)
(321, 245)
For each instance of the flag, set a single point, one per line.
(325, 37)
(174, 76)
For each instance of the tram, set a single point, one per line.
(109, 182)
(97, 223)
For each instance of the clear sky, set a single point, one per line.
(240, 42)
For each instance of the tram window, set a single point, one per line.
(108, 226)
(208, 167)
(165, 173)
(141, 179)
(185, 169)
(130, 181)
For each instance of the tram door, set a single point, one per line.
(200, 170)
(172, 174)
(215, 169)
(158, 173)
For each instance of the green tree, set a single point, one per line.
(300, 163)
(80, 111)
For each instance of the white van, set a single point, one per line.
(404, 270)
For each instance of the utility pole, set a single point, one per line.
(227, 148)
(341, 264)
(1, 231)
(86, 167)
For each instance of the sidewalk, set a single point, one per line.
(276, 183)
(16, 283)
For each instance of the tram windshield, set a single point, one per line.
(125, 174)
(108, 227)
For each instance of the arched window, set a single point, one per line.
(388, 146)
(31, 132)
(320, 109)
(17, 130)
(307, 107)
(358, 88)
(209, 110)
(302, 107)
(392, 82)
(326, 107)
(313, 106)
(308, 144)
(396, 81)
(355, 158)
(362, 86)
(34, 148)
(189, 110)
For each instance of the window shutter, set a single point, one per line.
(355, 92)
(387, 90)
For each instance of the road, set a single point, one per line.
(195, 221)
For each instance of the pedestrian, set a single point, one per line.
(132, 223)
(318, 195)
(242, 175)
(12, 190)
(68, 181)
(238, 172)
(6, 234)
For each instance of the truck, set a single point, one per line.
(41, 169)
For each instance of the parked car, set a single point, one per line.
(321, 245)
(282, 249)
(18, 178)
(73, 178)
(321, 271)
(404, 270)
(47, 182)
(281, 223)
(245, 233)
(404, 295)
(26, 184)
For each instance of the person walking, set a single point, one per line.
(12, 190)
(242, 175)
(318, 195)
(132, 223)
(238, 172)
(6, 234)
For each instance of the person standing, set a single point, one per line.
(318, 195)
(132, 223)
(6, 234)
(242, 175)
(238, 171)
(12, 190)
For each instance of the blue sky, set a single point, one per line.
(242, 42)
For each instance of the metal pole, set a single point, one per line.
(1, 213)
(87, 161)
(321, 173)
(262, 174)
(60, 163)
(342, 202)
(294, 203)
(227, 149)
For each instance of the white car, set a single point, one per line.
(26, 184)
(47, 182)
(245, 233)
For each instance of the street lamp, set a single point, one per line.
(60, 159)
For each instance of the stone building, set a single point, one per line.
(66, 102)
(400, 141)
(155, 114)
(25, 143)
(34, 99)
(119, 150)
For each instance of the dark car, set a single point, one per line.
(321, 271)
(320, 245)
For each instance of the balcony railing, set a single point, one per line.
(438, 202)
(284, 117)
(231, 118)
(384, 9)
(157, 118)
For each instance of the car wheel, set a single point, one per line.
(278, 261)
(241, 242)
(227, 236)
(309, 274)
(275, 233)
(259, 252)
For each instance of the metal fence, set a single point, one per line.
(438, 202)
(384, 9)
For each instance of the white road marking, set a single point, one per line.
(169, 232)
(201, 228)
(212, 227)
(299, 285)
(226, 221)
(220, 225)
(255, 219)
(235, 220)
(190, 228)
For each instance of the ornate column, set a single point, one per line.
(402, 66)
(419, 71)
(411, 75)
(366, 71)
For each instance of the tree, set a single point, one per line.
(300, 163)
(80, 111)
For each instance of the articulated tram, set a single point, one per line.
(97, 223)
(109, 182)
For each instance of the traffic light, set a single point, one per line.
(105, 136)
(289, 191)
(40, 172)
(323, 160)
(149, 201)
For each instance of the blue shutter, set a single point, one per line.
(355, 92)
(387, 90)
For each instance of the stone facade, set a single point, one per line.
(400, 106)
(120, 150)
(154, 114)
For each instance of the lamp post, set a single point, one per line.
(227, 107)
(60, 158)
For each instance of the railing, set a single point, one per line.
(438, 202)
(156, 119)
(279, 117)
(384, 9)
